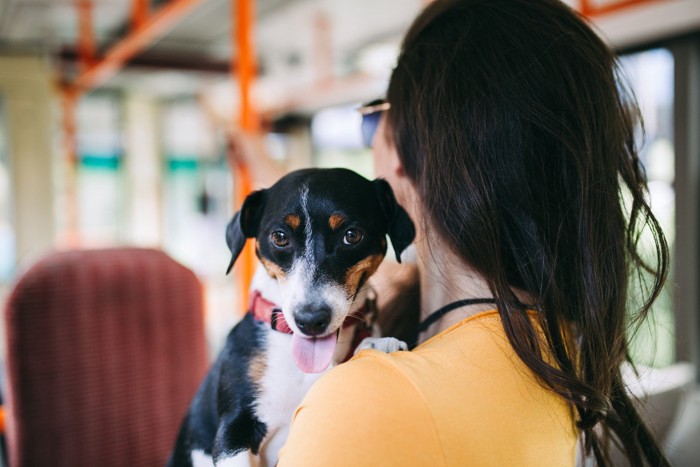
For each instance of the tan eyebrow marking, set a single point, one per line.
(335, 221)
(292, 220)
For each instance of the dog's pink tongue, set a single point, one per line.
(313, 355)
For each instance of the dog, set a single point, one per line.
(320, 234)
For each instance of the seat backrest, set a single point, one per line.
(105, 350)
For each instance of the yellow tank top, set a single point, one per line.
(461, 398)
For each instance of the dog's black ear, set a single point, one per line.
(399, 226)
(244, 225)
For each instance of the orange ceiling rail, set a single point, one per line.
(149, 28)
(139, 13)
(590, 8)
(86, 36)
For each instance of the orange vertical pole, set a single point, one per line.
(70, 146)
(245, 69)
(245, 72)
(87, 57)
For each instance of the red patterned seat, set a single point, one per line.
(105, 351)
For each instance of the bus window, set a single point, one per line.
(337, 140)
(100, 179)
(650, 75)
(196, 188)
(7, 242)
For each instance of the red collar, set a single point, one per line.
(268, 312)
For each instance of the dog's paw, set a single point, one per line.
(383, 344)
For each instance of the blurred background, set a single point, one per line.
(114, 116)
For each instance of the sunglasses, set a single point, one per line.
(371, 113)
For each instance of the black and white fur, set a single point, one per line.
(241, 413)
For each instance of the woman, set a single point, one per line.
(508, 140)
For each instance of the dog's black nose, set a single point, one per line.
(313, 321)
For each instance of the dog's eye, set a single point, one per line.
(352, 237)
(279, 238)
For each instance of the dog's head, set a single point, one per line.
(321, 233)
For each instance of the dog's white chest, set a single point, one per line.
(282, 388)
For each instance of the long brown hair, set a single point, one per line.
(509, 117)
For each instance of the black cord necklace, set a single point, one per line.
(436, 315)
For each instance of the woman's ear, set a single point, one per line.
(400, 227)
(387, 163)
(244, 225)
